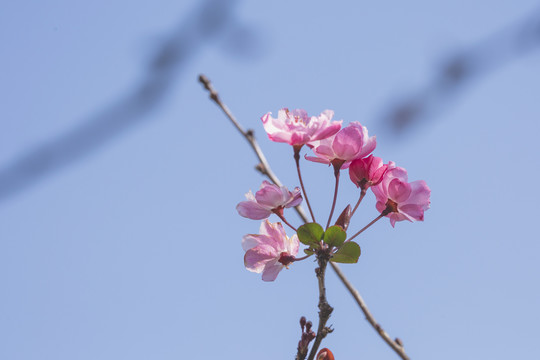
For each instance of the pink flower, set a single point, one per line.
(270, 198)
(403, 200)
(296, 128)
(351, 142)
(270, 251)
(367, 172)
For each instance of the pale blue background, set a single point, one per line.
(126, 245)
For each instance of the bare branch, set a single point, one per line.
(207, 21)
(263, 167)
(325, 310)
(461, 68)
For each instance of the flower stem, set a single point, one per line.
(284, 220)
(362, 194)
(383, 214)
(337, 167)
(297, 160)
(302, 258)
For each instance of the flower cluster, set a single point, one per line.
(348, 147)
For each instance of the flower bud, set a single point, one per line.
(345, 217)
(325, 354)
(302, 322)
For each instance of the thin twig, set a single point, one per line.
(263, 166)
(369, 317)
(383, 214)
(297, 161)
(337, 167)
(265, 169)
(285, 221)
(362, 194)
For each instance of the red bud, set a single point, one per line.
(345, 217)
(325, 354)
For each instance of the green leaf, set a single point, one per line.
(310, 234)
(335, 236)
(309, 251)
(347, 254)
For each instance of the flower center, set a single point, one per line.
(286, 259)
(391, 206)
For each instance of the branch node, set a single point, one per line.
(260, 168)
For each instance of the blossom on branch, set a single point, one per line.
(296, 128)
(367, 172)
(269, 199)
(401, 199)
(351, 142)
(270, 251)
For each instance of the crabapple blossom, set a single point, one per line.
(269, 199)
(401, 199)
(270, 251)
(351, 142)
(367, 172)
(296, 128)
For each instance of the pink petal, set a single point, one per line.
(317, 159)
(392, 219)
(377, 176)
(328, 131)
(398, 172)
(298, 138)
(296, 198)
(249, 241)
(279, 137)
(275, 233)
(300, 113)
(252, 210)
(420, 193)
(292, 245)
(271, 271)
(380, 195)
(368, 147)
(398, 190)
(270, 196)
(347, 143)
(256, 259)
(324, 149)
(380, 206)
(412, 211)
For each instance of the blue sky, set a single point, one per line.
(127, 244)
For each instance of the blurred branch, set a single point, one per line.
(464, 66)
(264, 168)
(208, 21)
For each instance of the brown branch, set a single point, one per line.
(325, 310)
(265, 169)
(396, 344)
